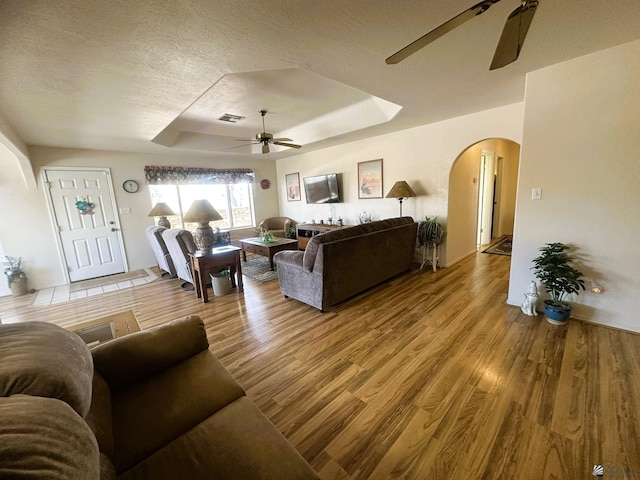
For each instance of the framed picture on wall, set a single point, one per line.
(370, 179)
(292, 182)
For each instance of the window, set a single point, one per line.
(229, 191)
(233, 202)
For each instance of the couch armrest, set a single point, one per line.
(289, 257)
(130, 359)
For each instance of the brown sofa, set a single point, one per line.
(341, 263)
(158, 406)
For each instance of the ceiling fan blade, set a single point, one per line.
(282, 140)
(265, 147)
(243, 145)
(290, 145)
(513, 35)
(436, 33)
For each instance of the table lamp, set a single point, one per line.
(401, 190)
(202, 212)
(161, 210)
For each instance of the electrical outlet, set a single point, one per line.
(536, 193)
(125, 210)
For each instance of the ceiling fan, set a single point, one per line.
(510, 44)
(266, 138)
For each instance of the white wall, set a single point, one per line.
(581, 145)
(26, 229)
(422, 156)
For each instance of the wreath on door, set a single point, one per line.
(85, 207)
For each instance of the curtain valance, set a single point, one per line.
(196, 175)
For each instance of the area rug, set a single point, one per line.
(257, 268)
(501, 247)
(108, 280)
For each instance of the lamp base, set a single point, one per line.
(204, 236)
(164, 222)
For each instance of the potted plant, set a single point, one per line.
(16, 277)
(266, 236)
(553, 267)
(430, 235)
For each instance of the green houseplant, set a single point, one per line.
(553, 267)
(430, 235)
(430, 232)
(16, 278)
(266, 236)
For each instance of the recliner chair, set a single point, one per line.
(180, 244)
(154, 235)
(278, 226)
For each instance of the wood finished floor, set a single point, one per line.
(430, 375)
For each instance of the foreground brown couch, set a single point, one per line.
(158, 406)
(341, 263)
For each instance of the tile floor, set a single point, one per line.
(51, 296)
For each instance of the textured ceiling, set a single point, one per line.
(142, 75)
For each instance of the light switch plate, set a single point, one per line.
(536, 193)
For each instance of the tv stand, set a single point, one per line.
(305, 231)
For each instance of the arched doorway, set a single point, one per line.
(474, 180)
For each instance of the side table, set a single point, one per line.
(202, 261)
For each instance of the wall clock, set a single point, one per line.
(265, 184)
(130, 186)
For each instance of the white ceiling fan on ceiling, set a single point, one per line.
(511, 41)
(265, 138)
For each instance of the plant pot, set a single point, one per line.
(221, 284)
(557, 315)
(19, 286)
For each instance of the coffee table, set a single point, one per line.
(106, 328)
(267, 249)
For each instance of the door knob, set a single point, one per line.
(113, 229)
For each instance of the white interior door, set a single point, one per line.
(91, 243)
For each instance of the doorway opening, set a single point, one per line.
(486, 198)
(482, 196)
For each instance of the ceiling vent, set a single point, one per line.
(227, 117)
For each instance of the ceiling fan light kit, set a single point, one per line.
(510, 43)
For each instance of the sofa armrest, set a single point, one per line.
(128, 360)
(289, 257)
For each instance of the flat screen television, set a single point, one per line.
(322, 188)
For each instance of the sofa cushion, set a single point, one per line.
(44, 438)
(135, 357)
(238, 442)
(150, 414)
(43, 359)
(311, 251)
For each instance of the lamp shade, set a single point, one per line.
(401, 189)
(161, 209)
(202, 211)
